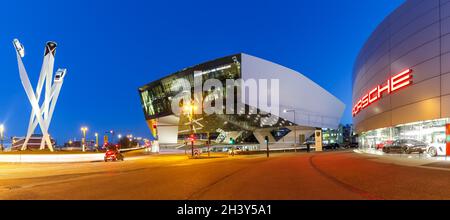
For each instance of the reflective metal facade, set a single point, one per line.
(415, 36)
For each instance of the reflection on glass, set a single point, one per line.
(156, 97)
(431, 132)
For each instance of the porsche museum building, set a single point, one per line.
(401, 80)
(304, 106)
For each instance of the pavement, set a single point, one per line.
(414, 160)
(284, 176)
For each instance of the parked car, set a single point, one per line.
(351, 145)
(333, 146)
(381, 145)
(406, 146)
(437, 149)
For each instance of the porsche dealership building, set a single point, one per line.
(401, 79)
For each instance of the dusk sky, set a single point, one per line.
(111, 48)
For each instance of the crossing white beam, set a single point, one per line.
(41, 115)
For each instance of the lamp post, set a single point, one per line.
(190, 109)
(130, 138)
(112, 136)
(2, 137)
(295, 127)
(83, 141)
(96, 141)
(209, 145)
(119, 137)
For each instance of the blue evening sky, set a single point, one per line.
(113, 47)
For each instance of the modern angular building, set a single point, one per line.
(401, 79)
(302, 105)
(33, 144)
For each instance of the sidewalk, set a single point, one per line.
(412, 160)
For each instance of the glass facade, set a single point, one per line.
(343, 135)
(333, 136)
(431, 134)
(156, 96)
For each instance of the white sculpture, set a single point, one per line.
(41, 115)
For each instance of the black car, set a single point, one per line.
(333, 146)
(351, 145)
(406, 146)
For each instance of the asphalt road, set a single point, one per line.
(336, 175)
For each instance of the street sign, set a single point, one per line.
(197, 152)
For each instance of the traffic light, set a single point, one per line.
(192, 138)
(232, 141)
(266, 139)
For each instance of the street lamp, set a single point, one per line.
(112, 136)
(295, 127)
(2, 137)
(130, 138)
(96, 141)
(190, 110)
(83, 142)
(119, 137)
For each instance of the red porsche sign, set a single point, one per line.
(395, 83)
